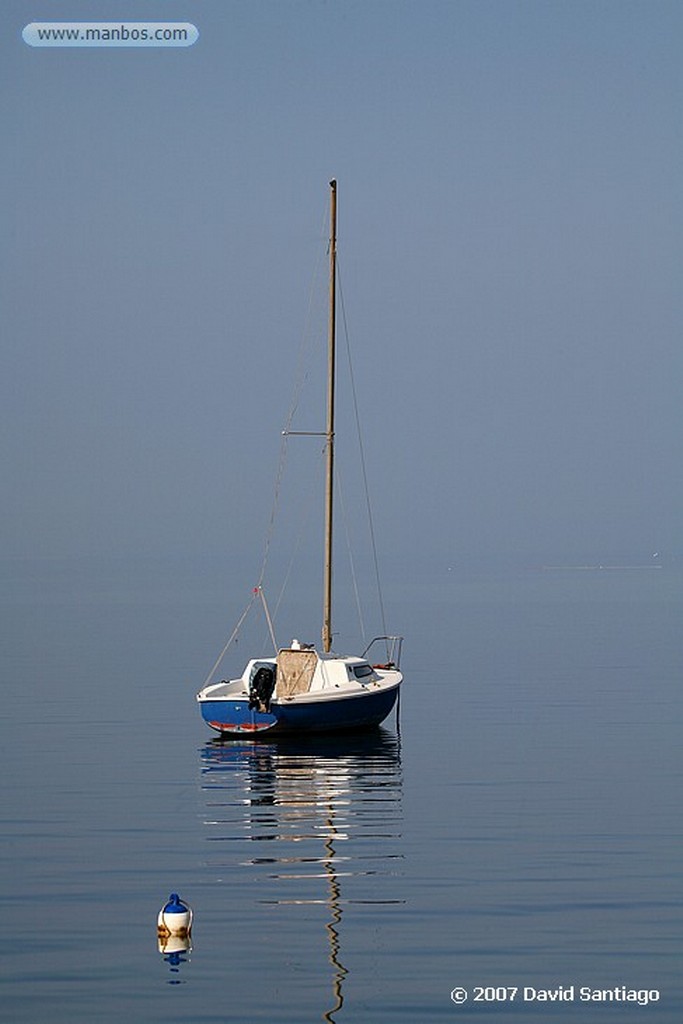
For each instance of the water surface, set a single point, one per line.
(522, 828)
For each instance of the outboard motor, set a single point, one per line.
(261, 689)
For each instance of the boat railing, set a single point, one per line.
(394, 645)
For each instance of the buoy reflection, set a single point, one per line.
(174, 950)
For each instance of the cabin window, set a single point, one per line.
(363, 672)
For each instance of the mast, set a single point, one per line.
(329, 432)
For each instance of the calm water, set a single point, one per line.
(522, 829)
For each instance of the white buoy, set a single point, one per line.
(175, 918)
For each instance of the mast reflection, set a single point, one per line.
(317, 793)
(339, 972)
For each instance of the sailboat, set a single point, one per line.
(300, 689)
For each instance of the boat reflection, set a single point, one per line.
(312, 799)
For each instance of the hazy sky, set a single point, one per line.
(510, 238)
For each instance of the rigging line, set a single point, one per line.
(349, 549)
(308, 506)
(276, 500)
(307, 337)
(266, 612)
(233, 635)
(362, 454)
(300, 380)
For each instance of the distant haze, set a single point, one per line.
(510, 240)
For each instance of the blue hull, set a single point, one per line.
(233, 717)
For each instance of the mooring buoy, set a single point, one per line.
(175, 918)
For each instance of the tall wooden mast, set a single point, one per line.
(329, 432)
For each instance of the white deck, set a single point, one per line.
(334, 676)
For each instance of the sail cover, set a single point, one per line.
(294, 672)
